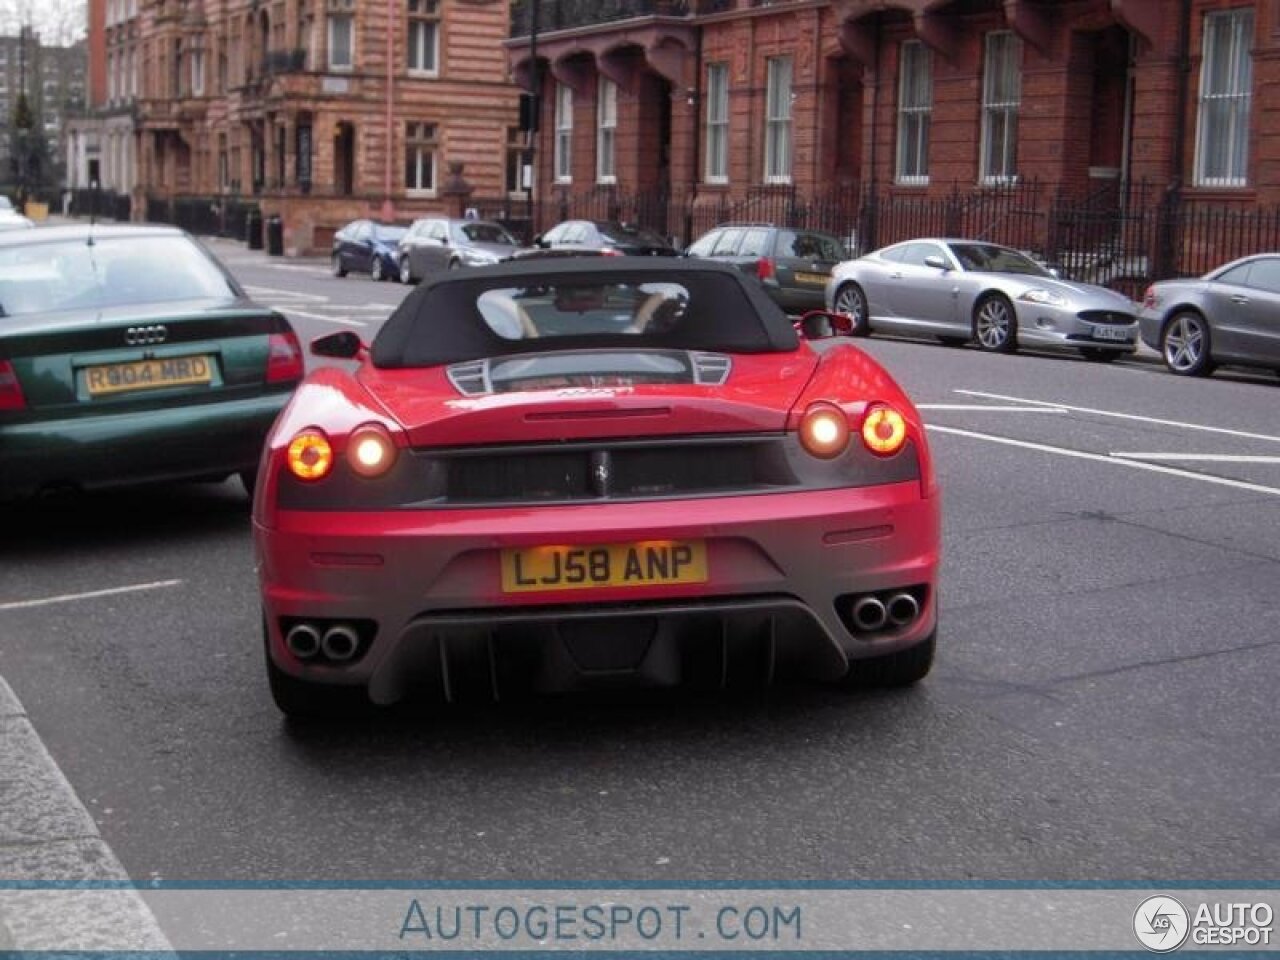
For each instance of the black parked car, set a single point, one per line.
(604, 236)
(793, 265)
(366, 246)
(439, 243)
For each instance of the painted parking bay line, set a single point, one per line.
(89, 595)
(1124, 416)
(284, 294)
(344, 321)
(1196, 457)
(1104, 458)
(987, 408)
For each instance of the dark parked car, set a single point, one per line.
(127, 355)
(439, 243)
(793, 265)
(1231, 315)
(604, 236)
(367, 246)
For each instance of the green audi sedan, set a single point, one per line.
(128, 354)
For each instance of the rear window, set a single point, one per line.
(114, 271)
(486, 233)
(518, 310)
(808, 246)
(629, 233)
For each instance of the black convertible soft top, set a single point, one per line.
(572, 303)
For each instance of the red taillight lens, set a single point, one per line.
(884, 430)
(611, 252)
(11, 397)
(310, 455)
(765, 269)
(824, 431)
(284, 358)
(370, 451)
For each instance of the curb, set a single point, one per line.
(48, 837)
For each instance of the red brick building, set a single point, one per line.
(687, 111)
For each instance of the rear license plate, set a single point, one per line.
(1119, 334)
(647, 564)
(148, 375)
(810, 277)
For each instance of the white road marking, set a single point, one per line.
(1101, 458)
(1125, 416)
(291, 311)
(1206, 457)
(985, 407)
(90, 595)
(285, 294)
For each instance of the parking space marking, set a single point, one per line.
(1102, 458)
(285, 294)
(1205, 457)
(294, 312)
(90, 595)
(1125, 416)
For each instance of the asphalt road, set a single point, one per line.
(1103, 706)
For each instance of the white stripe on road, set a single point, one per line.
(91, 595)
(1206, 457)
(1124, 416)
(320, 316)
(287, 294)
(985, 407)
(1100, 458)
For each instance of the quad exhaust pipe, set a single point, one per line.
(332, 642)
(303, 641)
(902, 608)
(869, 614)
(874, 612)
(340, 643)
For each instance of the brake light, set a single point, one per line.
(371, 451)
(765, 269)
(824, 431)
(284, 358)
(11, 397)
(310, 455)
(884, 430)
(611, 252)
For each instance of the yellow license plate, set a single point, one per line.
(148, 375)
(651, 563)
(810, 278)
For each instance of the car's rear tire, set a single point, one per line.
(1186, 346)
(852, 302)
(406, 271)
(376, 273)
(1099, 355)
(901, 669)
(995, 325)
(338, 269)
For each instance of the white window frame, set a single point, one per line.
(197, 73)
(564, 133)
(606, 131)
(777, 113)
(1223, 113)
(915, 113)
(424, 22)
(716, 166)
(420, 150)
(335, 64)
(1001, 102)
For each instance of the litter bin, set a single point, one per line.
(253, 229)
(275, 236)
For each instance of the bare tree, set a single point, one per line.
(58, 22)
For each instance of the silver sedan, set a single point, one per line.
(1230, 315)
(961, 290)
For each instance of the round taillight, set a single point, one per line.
(310, 455)
(884, 430)
(371, 451)
(824, 431)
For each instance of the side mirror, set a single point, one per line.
(343, 345)
(823, 324)
(937, 263)
(539, 242)
(1055, 273)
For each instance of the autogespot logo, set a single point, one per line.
(1161, 924)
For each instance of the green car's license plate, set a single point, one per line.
(148, 375)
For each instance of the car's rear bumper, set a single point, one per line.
(110, 449)
(426, 586)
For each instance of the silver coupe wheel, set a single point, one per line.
(406, 272)
(852, 302)
(1186, 345)
(375, 269)
(994, 326)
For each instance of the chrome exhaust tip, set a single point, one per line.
(902, 608)
(340, 643)
(303, 641)
(869, 614)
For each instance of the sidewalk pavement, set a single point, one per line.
(48, 837)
